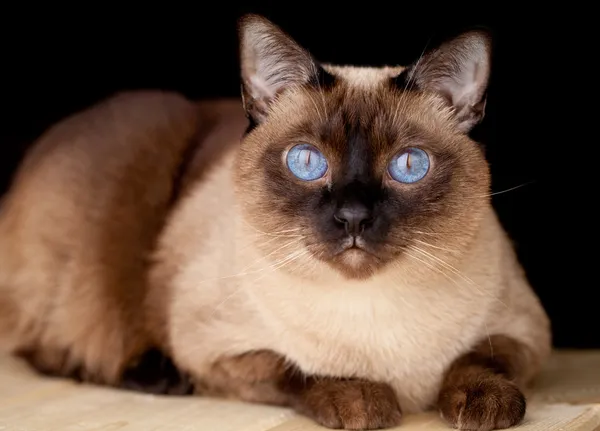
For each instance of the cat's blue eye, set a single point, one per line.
(306, 162)
(409, 166)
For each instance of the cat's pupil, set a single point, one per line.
(306, 157)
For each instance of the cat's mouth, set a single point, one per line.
(355, 244)
(353, 256)
(355, 251)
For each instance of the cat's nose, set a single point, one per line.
(354, 217)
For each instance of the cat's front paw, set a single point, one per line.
(350, 404)
(485, 404)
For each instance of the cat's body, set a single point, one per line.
(77, 227)
(350, 328)
(152, 177)
(404, 325)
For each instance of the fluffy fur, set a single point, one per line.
(76, 227)
(112, 245)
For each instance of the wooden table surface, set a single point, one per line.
(567, 397)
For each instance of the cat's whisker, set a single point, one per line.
(427, 264)
(296, 256)
(282, 234)
(294, 242)
(434, 268)
(411, 79)
(324, 105)
(322, 94)
(309, 264)
(277, 233)
(258, 230)
(409, 85)
(432, 265)
(244, 271)
(305, 263)
(280, 263)
(264, 272)
(441, 261)
(510, 189)
(424, 233)
(261, 244)
(435, 246)
(271, 268)
(455, 272)
(487, 195)
(397, 111)
(321, 118)
(225, 300)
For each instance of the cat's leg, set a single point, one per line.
(482, 390)
(265, 377)
(254, 377)
(151, 372)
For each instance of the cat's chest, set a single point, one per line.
(406, 336)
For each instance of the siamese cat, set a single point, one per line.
(327, 244)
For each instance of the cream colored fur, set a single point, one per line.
(405, 331)
(212, 293)
(404, 326)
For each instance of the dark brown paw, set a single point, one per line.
(485, 404)
(350, 404)
(155, 373)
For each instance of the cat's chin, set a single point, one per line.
(356, 263)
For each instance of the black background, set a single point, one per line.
(538, 131)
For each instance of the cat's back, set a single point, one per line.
(105, 169)
(78, 166)
(81, 216)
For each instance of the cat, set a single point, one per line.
(328, 244)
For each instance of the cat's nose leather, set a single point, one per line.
(354, 217)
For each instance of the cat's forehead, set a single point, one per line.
(363, 77)
(366, 100)
(359, 100)
(371, 94)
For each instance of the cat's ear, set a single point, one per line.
(271, 62)
(459, 71)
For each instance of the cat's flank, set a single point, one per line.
(326, 243)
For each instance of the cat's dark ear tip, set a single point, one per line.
(250, 20)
